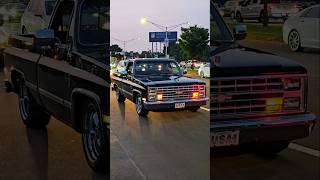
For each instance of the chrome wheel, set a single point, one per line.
(93, 133)
(139, 104)
(294, 41)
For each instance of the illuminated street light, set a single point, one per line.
(163, 28)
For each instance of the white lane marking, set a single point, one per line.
(130, 158)
(304, 149)
(203, 108)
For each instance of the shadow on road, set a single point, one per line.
(38, 141)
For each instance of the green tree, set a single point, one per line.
(194, 42)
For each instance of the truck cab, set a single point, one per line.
(258, 100)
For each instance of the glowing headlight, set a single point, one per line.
(159, 97)
(292, 84)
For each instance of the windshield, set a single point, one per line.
(147, 68)
(49, 5)
(219, 31)
(94, 23)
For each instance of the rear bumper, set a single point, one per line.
(282, 128)
(170, 105)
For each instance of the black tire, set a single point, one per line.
(95, 138)
(140, 107)
(239, 17)
(120, 97)
(272, 149)
(294, 41)
(32, 115)
(194, 109)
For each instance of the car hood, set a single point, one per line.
(249, 62)
(168, 81)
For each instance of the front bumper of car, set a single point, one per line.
(171, 105)
(268, 129)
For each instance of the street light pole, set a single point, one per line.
(124, 45)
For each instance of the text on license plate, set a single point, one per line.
(180, 105)
(226, 138)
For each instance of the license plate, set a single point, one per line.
(226, 138)
(180, 105)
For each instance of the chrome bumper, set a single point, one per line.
(170, 105)
(307, 118)
(283, 128)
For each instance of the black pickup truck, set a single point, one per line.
(157, 85)
(258, 100)
(62, 72)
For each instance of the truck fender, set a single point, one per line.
(134, 93)
(75, 108)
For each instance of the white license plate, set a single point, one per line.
(180, 105)
(226, 138)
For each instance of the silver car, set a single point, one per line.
(36, 16)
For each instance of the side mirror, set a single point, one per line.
(123, 73)
(43, 38)
(240, 31)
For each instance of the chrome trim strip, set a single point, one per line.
(307, 118)
(261, 76)
(177, 101)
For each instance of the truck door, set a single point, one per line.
(54, 79)
(127, 87)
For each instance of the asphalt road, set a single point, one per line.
(53, 153)
(302, 159)
(165, 145)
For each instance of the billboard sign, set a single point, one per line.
(161, 36)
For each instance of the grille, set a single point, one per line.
(250, 96)
(170, 93)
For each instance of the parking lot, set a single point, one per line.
(302, 159)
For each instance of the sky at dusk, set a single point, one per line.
(126, 14)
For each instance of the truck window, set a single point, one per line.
(129, 68)
(62, 20)
(219, 32)
(49, 6)
(94, 22)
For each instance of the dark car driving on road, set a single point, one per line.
(257, 99)
(157, 85)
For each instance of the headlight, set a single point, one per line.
(292, 84)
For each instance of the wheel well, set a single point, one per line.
(78, 101)
(134, 95)
(15, 76)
